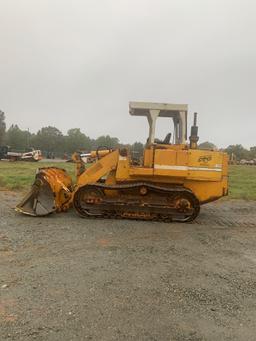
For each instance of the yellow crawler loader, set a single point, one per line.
(172, 181)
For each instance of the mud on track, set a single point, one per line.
(67, 278)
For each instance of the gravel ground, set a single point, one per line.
(67, 278)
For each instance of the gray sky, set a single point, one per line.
(77, 63)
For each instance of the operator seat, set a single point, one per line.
(166, 140)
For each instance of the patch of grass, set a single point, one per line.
(20, 175)
(2, 183)
(242, 182)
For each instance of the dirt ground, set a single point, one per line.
(67, 278)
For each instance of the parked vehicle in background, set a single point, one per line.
(34, 155)
(8, 155)
(87, 158)
(3, 152)
(248, 162)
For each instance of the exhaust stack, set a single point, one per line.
(194, 134)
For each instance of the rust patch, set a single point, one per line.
(2, 309)
(10, 318)
(103, 242)
(5, 310)
(6, 253)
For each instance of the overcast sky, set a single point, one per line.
(77, 63)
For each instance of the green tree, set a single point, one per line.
(238, 150)
(207, 145)
(137, 149)
(2, 127)
(252, 152)
(49, 139)
(17, 139)
(76, 140)
(106, 141)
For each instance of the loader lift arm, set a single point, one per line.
(99, 169)
(53, 191)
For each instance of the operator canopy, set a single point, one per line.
(178, 112)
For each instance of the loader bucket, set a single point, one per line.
(50, 192)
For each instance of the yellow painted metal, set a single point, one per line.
(100, 153)
(51, 191)
(204, 172)
(148, 156)
(141, 171)
(99, 169)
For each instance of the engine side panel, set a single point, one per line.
(202, 171)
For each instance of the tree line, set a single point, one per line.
(52, 140)
(237, 151)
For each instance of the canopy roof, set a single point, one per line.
(178, 112)
(165, 110)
